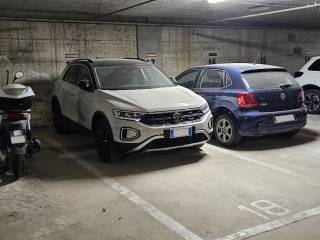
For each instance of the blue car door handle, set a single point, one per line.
(213, 98)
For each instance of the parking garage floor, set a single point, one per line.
(267, 188)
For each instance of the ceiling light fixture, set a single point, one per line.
(215, 1)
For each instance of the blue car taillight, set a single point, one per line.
(247, 100)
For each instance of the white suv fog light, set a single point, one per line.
(129, 134)
(210, 124)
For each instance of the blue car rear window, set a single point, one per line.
(268, 80)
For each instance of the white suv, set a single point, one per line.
(130, 105)
(309, 78)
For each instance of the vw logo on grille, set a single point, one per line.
(283, 96)
(177, 117)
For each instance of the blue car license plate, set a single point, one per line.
(284, 118)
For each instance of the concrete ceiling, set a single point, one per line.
(198, 12)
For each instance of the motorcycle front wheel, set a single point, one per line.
(18, 165)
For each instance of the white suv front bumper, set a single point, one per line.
(155, 138)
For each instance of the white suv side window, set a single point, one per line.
(315, 66)
(85, 74)
(72, 74)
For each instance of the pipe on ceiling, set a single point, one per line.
(266, 4)
(151, 24)
(266, 13)
(124, 9)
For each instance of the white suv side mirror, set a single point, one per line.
(85, 84)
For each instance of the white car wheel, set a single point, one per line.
(312, 101)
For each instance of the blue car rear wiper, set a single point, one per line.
(285, 86)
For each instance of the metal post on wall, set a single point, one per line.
(307, 56)
(137, 41)
(8, 74)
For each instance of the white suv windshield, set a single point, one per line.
(131, 77)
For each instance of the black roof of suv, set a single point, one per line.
(111, 62)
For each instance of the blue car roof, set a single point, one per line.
(245, 67)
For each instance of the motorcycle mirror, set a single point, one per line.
(19, 75)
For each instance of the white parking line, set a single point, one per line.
(172, 224)
(251, 160)
(134, 198)
(269, 226)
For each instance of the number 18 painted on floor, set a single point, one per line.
(267, 207)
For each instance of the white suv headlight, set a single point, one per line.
(205, 108)
(127, 115)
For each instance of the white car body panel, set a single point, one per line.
(309, 77)
(80, 106)
(158, 99)
(69, 97)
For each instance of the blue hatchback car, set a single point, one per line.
(248, 100)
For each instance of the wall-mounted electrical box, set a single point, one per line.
(212, 57)
(264, 57)
(151, 57)
(307, 56)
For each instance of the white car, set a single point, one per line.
(309, 78)
(130, 105)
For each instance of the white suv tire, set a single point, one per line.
(312, 100)
(59, 121)
(104, 141)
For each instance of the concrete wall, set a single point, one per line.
(40, 49)
(180, 48)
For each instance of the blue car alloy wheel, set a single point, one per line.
(226, 132)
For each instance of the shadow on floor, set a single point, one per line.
(274, 141)
(144, 162)
(83, 147)
(52, 164)
(148, 162)
(5, 179)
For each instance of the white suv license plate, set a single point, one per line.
(180, 132)
(17, 137)
(284, 118)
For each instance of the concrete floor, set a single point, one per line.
(267, 188)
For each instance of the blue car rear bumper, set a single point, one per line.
(255, 123)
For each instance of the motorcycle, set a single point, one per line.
(16, 141)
